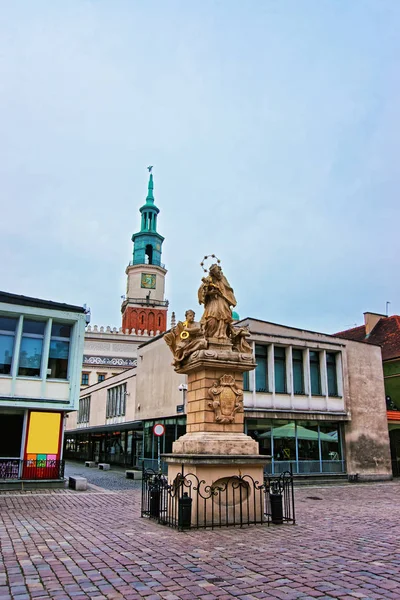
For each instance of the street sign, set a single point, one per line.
(180, 408)
(158, 429)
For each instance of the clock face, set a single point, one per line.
(148, 281)
(158, 247)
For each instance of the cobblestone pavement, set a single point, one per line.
(78, 545)
(114, 479)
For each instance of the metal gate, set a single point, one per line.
(235, 501)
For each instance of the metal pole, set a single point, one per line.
(159, 455)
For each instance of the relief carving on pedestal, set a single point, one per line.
(227, 399)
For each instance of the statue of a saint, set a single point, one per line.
(185, 338)
(217, 296)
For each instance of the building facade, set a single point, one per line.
(385, 332)
(315, 403)
(41, 346)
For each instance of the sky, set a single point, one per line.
(273, 128)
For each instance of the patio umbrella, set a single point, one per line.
(288, 431)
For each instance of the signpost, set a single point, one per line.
(158, 431)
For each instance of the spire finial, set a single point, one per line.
(150, 197)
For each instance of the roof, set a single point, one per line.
(385, 334)
(8, 298)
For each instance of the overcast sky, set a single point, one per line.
(273, 128)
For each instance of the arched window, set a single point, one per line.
(142, 319)
(149, 254)
(159, 321)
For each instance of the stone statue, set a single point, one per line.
(239, 342)
(185, 338)
(217, 296)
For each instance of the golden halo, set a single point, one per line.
(205, 258)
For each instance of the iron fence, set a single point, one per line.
(235, 501)
(45, 468)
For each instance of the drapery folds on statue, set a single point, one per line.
(216, 324)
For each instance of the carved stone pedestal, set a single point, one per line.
(215, 447)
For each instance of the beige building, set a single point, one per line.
(315, 403)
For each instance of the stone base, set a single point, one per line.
(217, 443)
(202, 472)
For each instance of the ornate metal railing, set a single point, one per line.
(13, 468)
(234, 501)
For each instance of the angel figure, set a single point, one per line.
(185, 338)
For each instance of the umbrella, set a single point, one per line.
(288, 431)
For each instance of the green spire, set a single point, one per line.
(150, 197)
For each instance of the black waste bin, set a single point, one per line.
(184, 511)
(276, 508)
(155, 503)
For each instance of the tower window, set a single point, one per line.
(142, 319)
(149, 254)
(159, 321)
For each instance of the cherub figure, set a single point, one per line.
(185, 338)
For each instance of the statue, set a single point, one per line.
(185, 338)
(217, 296)
(239, 342)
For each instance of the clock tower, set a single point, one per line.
(144, 307)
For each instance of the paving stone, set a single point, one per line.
(63, 544)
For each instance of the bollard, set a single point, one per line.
(184, 511)
(276, 508)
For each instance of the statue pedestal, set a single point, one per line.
(215, 447)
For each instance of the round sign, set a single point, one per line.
(158, 429)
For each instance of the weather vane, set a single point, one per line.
(150, 168)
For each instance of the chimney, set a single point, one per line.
(370, 320)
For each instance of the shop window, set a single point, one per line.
(331, 372)
(59, 351)
(85, 379)
(84, 410)
(7, 337)
(261, 368)
(315, 374)
(298, 378)
(30, 355)
(280, 370)
(100, 377)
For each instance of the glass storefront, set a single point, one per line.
(306, 447)
(117, 447)
(174, 428)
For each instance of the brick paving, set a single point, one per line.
(79, 545)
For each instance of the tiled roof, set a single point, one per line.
(386, 334)
(393, 415)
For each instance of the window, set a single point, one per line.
(246, 381)
(7, 335)
(30, 355)
(298, 379)
(59, 351)
(85, 379)
(116, 401)
(84, 410)
(315, 374)
(100, 377)
(331, 372)
(261, 368)
(280, 370)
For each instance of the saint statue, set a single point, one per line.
(185, 338)
(217, 296)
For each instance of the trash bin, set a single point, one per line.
(276, 508)
(155, 503)
(184, 511)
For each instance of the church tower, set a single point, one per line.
(144, 307)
